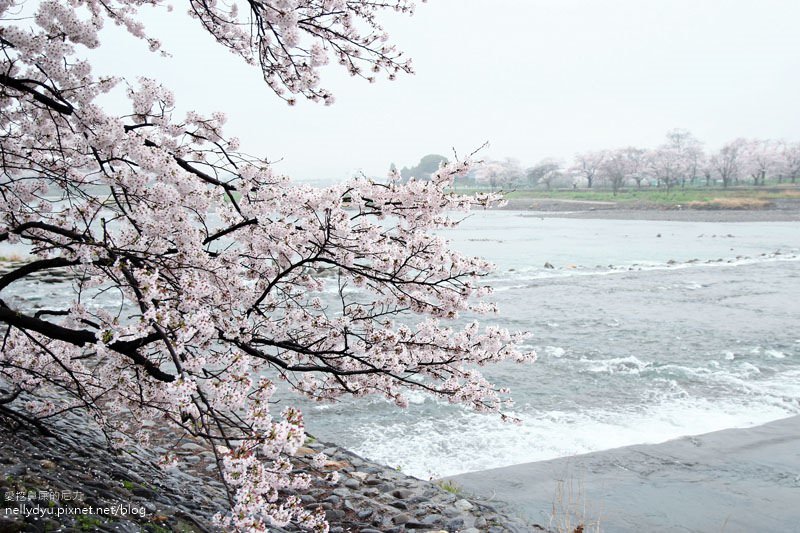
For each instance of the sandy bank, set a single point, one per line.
(737, 480)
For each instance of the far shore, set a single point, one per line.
(783, 210)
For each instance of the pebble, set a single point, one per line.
(352, 483)
(401, 518)
(402, 494)
(432, 519)
(463, 505)
(342, 493)
(455, 523)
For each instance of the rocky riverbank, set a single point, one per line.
(74, 483)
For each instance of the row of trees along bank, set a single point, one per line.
(680, 161)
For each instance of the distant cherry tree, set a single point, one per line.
(706, 168)
(499, 175)
(728, 161)
(587, 165)
(545, 172)
(636, 163)
(761, 159)
(215, 267)
(789, 160)
(622, 166)
(677, 160)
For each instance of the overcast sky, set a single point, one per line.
(534, 78)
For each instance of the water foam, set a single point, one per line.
(516, 276)
(450, 445)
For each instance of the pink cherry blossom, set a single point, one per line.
(199, 276)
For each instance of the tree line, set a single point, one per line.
(679, 161)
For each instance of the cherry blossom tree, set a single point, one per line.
(499, 174)
(663, 165)
(199, 275)
(727, 161)
(586, 166)
(691, 153)
(705, 167)
(760, 159)
(677, 160)
(622, 165)
(636, 158)
(490, 173)
(789, 160)
(545, 172)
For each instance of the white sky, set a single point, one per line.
(535, 78)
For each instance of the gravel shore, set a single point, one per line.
(75, 484)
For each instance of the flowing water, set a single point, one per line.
(645, 331)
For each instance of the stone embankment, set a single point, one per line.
(74, 484)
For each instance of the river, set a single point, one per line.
(645, 330)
